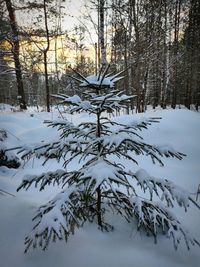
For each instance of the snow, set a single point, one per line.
(9, 155)
(101, 172)
(89, 246)
(95, 80)
(5, 107)
(169, 189)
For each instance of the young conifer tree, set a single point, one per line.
(101, 183)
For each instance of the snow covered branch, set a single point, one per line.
(43, 179)
(170, 192)
(154, 216)
(101, 183)
(57, 219)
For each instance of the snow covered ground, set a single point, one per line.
(89, 247)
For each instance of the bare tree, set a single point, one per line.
(15, 42)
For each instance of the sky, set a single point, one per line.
(74, 11)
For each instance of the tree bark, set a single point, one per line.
(45, 51)
(102, 34)
(15, 52)
(98, 134)
(176, 44)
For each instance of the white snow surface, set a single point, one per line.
(89, 247)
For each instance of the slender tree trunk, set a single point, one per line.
(102, 34)
(46, 81)
(138, 50)
(176, 39)
(165, 61)
(15, 52)
(96, 58)
(45, 52)
(98, 134)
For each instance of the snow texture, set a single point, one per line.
(122, 247)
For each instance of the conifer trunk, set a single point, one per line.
(98, 134)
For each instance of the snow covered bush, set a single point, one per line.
(101, 182)
(7, 158)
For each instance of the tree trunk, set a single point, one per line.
(46, 81)
(15, 52)
(98, 134)
(45, 51)
(102, 34)
(176, 44)
(165, 63)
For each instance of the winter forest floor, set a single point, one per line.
(89, 247)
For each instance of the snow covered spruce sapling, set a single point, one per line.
(101, 183)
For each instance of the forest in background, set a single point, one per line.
(156, 43)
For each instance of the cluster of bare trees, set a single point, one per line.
(156, 42)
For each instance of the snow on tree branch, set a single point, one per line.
(102, 173)
(170, 192)
(154, 216)
(97, 81)
(101, 183)
(43, 179)
(57, 219)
